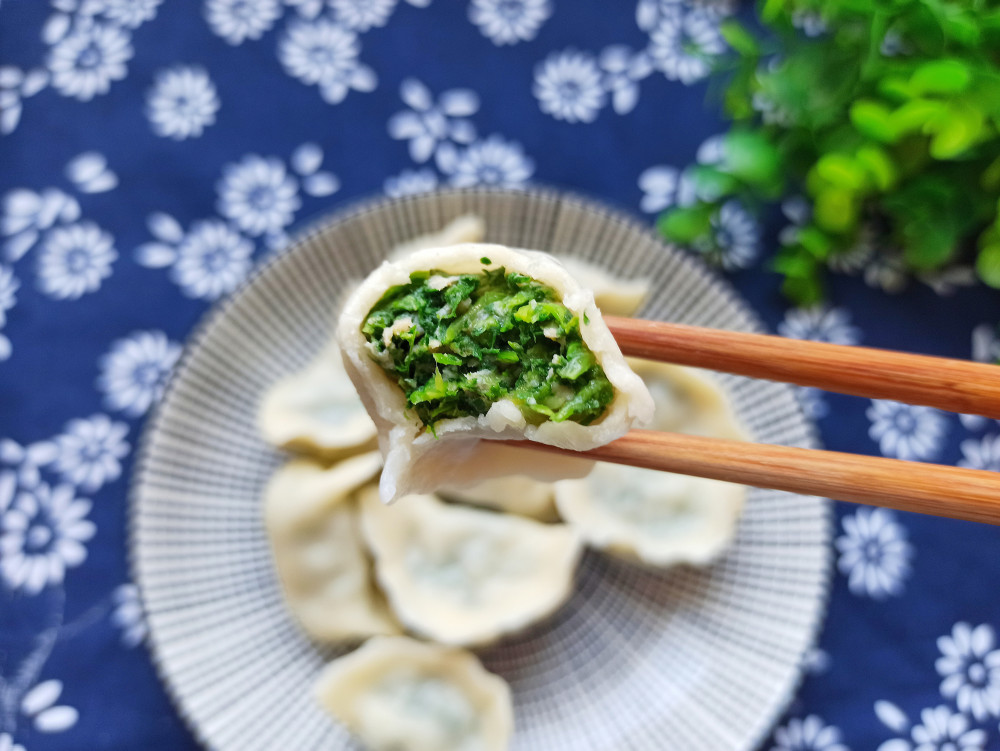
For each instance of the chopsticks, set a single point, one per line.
(952, 385)
(955, 492)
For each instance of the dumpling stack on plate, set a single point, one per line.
(469, 565)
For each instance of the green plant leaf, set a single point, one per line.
(752, 158)
(686, 224)
(879, 166)
(710, 183)
(955, 131)
(739, 39)
(841, 171)
(836, 210)
(941, 77)
(915, 114)
(874, 120)
(988, 263)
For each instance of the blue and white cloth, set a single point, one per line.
(152, 151)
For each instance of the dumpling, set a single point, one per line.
(614, 296)
(318, 551)
(513, 494)
(466, 576)
(467, 228)
(452, 345)
(398, 694)
(659, 518)
(656, 518)
(317, 411)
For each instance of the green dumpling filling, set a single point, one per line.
(457, 344)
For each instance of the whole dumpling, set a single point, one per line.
(453, 452)
(467, 228)
(614, 295)
(660, 518)
(317, 411)
(325, 573)
(465, 576)
(513, 494)
(399, 694)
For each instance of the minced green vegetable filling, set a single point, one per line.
(457, 344)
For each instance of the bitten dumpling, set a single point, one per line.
(450, 346)
(660, 518)
(317, 411)
(398, 694)
(314, 530)
(465, 576)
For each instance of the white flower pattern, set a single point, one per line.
(212, 260)
(324, 53)
(90, 452)
(509, 21)
(75, 260)
(128, 614)
(905, 431)
(970, 668)
(568, 87)
(874, 553)
(808, 734)
(135, 370)
(239, 20)
(42, 534)
(428, 124)
(258, 195)
(492, 161)
(182, 103)
(684, 44)
(87, 61)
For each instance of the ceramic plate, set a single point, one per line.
(686, 659)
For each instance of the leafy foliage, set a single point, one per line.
(887, 120)
(457, 344)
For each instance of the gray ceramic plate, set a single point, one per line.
(687, 659)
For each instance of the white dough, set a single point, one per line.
(317, 411)
(418, 461)
(398, 694)
(467, 228)
(660, 518)
(465, 576)
(514, 494)
(318, 552)
(614, 295)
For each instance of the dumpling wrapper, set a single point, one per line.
(465, 576)
(314, 528)
(467, 228)
(615, 296)
(399, 694)
(418, 461)
(659, 518)
(513, 494)
(317, 411)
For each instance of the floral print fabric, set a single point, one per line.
(151, 153)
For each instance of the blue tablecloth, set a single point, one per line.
(151, 152)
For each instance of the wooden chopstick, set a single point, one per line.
(953, 385)
(970, 494)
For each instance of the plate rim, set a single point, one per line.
(356, 208)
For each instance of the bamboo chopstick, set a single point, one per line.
(970, 494)
(952, 385)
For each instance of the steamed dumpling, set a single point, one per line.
(587, 395)
(660, 518)
(513, 494)
(398, 694)
(317, 411)
(465, 576)
(314, 530)
(615, 296)
(467, 228)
